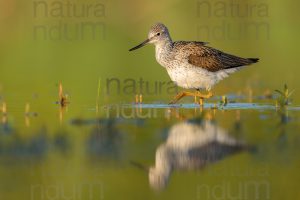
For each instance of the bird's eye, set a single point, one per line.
(158, 34)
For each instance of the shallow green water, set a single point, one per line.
(192, 153)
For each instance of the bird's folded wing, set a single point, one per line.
(209, 58)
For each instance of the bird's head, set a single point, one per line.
(158, 33)
(158, 179)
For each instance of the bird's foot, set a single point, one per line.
(192, 94)
(203, 96)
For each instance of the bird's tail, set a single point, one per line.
(253, 60)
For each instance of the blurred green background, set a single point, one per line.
(30, 63)
(41, 44)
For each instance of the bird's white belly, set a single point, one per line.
(191, 77)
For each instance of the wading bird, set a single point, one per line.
(192, 65)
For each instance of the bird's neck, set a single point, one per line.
(165, 44)
(162, 51)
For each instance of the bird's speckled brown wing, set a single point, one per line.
(209, 58)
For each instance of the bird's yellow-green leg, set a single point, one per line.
(193, 94)
(204, 96)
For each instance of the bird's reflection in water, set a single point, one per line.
(191, 145)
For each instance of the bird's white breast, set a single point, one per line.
(160, 56)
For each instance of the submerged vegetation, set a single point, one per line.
(98, 95)
(283, 98)
(224, 101)
(138, 99)
(4, 109)
(63, 98)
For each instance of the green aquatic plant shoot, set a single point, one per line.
(224, 101)
(63, 98)
(4, 109)
(284, 96)
(98, 95)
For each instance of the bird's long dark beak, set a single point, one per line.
(140, 45)
(139, 166)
